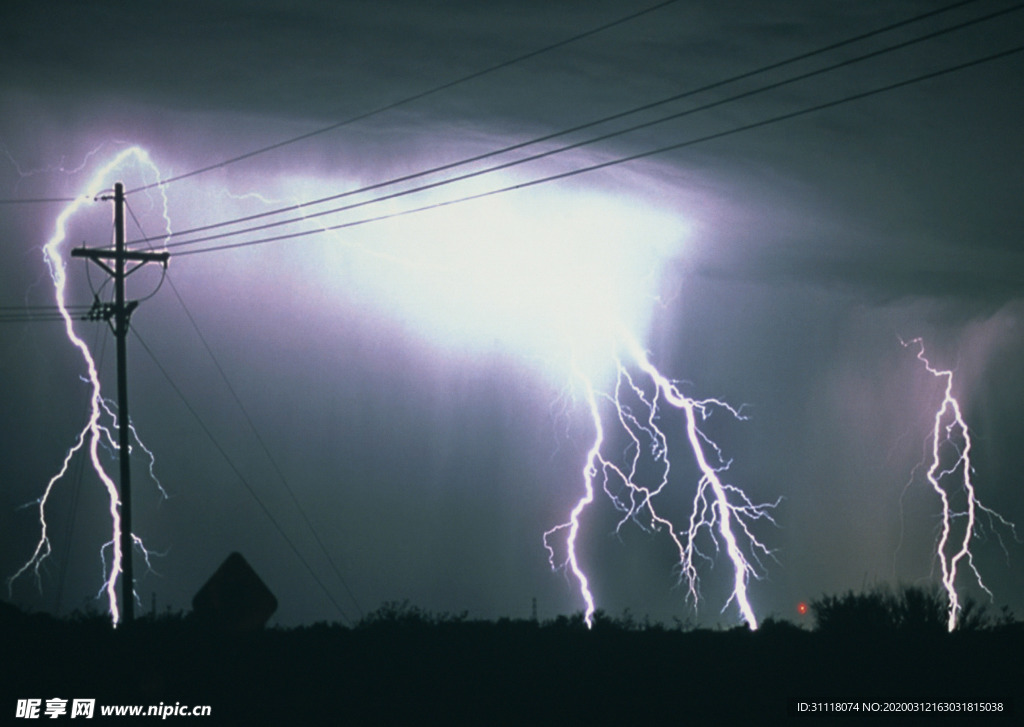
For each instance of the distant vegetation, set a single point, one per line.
(880, 611)
(907, 610)
(404, 665)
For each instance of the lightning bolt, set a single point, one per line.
(723, 517)
(721, 510)
(950, 433)
(95, 433)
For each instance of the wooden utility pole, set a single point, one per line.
(120, 313)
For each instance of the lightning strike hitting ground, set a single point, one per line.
(95, 433)
(950, 474)
(480, 259)
(491, 271)
(722, 510)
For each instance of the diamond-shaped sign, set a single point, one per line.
(235, 598)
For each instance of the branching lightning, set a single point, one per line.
(96, 432)
(720, 509)
(950, 474)
(722, 517)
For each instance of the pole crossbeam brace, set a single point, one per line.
(98, 253)
(121, 311)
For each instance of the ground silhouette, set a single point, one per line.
(403, 665)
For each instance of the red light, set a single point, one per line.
(801, 608)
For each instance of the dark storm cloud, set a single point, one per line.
(238, 56)
(815, 243)
(320, 60)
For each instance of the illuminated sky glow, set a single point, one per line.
(551, 275)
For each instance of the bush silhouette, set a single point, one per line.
(907, 610)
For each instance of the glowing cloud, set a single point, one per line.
(553, 275)
(566, 277)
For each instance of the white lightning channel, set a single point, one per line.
(93, 433)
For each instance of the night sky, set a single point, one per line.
(411, 378)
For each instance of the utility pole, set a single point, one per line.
(120, 312)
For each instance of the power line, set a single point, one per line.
(10, 308)
(266, 450)
(31, 318)
(623, 160)
(410, 99)
(249, 421)
(40, 313)
(580, 127)
(37, 200)
(240, 476)
(603, 137)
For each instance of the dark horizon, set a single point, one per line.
(402, 664)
